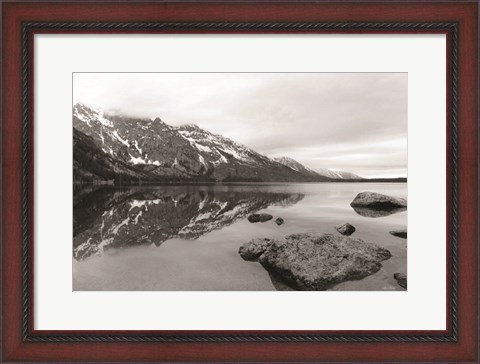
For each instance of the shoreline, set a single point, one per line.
(166, 183)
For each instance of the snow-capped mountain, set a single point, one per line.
(337, 174)
(297, 166)
(152, 145)
(216, 149)
(154, 148)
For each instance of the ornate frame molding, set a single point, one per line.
(28, 30)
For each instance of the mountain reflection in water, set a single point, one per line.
(107, 219)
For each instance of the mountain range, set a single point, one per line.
(110, 146)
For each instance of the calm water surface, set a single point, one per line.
(172, 238)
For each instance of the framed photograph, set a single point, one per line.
(239, 181)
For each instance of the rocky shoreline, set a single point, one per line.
(316, 261)
(319, 261)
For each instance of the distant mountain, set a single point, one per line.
(296, 166)
(338, 174)
(152, 150)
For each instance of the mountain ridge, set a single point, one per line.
(110, 146)
(295, 165)
(154, 150)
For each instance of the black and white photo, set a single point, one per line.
(239, 181)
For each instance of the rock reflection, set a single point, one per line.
(279, 283)
(106, 219)
(377, 212)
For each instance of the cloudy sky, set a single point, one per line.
(346, 121)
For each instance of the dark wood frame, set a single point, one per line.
(459, 20)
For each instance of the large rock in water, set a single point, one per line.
(377, 200)
(319, 261)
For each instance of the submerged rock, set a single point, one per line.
(254, 248)
(375, 200)
(345, 229)
(259, 217)
(319, 261)
(401, 279)
(400, 233)
(279, 221)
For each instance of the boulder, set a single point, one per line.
(279, 221)
(399, 233)
(254, 248)
(320, 261)
(401, 279)
(345, 229)
(259, 217)
(377, 200)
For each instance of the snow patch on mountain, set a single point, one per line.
(202, 160)
(138, 148)
(119, 138)
(86, 120)
(138, 160)
(137, 203)
(216, 145)
(103, 120)
(138, 216)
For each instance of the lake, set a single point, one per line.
(186, 237)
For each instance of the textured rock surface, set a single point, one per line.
(279, 221)
(400, 233)
(401, 279)
(254, 248)
(259, 217)
(346, 229)
(377, 200)
(319, 261)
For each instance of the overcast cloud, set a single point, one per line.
(347, 121)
